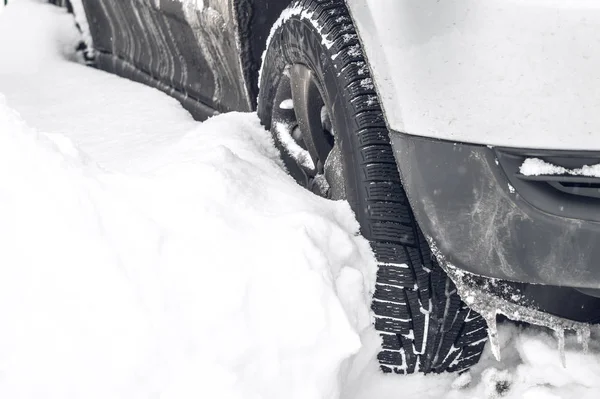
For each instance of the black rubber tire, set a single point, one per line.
(423, 323)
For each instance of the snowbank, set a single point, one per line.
(215, 271)
(31, 51)
(116, 121)
(206, 273)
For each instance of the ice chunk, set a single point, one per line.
(482, 300)
(560, 337)
(490, 319)
(583, 337)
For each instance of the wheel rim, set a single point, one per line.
(302, 123)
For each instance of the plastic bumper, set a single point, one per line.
(464, 201)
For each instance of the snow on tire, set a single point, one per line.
(423, 324)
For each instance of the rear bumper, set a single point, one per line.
(468, 202)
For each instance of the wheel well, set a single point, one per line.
(255, 19)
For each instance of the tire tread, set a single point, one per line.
(424, 325)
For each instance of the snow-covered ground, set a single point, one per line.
(143, 254)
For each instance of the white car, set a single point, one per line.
(465, 134)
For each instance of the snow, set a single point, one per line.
(367, 83)
(284, 134)
(147, 255)
(139, 271)
(539, 167)
(81, 19)
(287, 104)
(530, 369)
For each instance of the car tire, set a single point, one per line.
(424, 325)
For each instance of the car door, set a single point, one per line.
(190, 47)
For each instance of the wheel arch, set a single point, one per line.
(255, 19)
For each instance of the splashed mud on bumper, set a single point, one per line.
(463, 199)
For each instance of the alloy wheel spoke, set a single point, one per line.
(307, 106)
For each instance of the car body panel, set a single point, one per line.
(466, 205)
(207, 54)
(193, 47)
(513, 73)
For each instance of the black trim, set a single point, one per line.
(484, 221)
(581, 186)
(576, 197)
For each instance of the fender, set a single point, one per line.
(495, 72)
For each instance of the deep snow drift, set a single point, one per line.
(120, 286)
(146, 255)
(210, 273)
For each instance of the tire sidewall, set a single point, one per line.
(298, 42)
